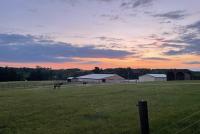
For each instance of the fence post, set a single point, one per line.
(143, 113)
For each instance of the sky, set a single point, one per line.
(104, 33)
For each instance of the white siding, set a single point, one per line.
(146, 78)
(90, 80)
(149, 78)
(160, 79)
(98, 78)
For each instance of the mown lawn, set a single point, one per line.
(99, 109)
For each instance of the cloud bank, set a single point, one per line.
(174, 15)
(28, 48)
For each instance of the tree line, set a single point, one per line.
(39, 73)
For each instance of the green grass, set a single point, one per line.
(98, 109)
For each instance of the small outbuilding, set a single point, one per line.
(100, 78)
(152, 77)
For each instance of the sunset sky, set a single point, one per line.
(104, 33)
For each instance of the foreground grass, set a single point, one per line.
(99, 109)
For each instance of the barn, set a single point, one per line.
(101, 78)
(153, 77)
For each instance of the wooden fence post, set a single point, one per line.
(143, 113)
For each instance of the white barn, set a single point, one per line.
(100, 78)
(152, 77)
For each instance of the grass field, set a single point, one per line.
(32, 108)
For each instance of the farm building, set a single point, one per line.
(71, 79)
(101, 78)
(153, 77)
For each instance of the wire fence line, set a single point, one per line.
(180, 121)
(196, 122)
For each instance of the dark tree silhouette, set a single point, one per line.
(39, 73)
(97, 70)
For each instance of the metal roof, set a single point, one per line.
(70, 78)
(96, 76)
(158, 75)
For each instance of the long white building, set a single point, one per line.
(98, 78)
(153, 77)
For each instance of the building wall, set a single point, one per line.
(187, 76)
(90, 80)
(115, 77)
(146, 78)
(160, 79)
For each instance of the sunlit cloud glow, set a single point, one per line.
(104, 33)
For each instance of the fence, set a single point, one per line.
(144, 120)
